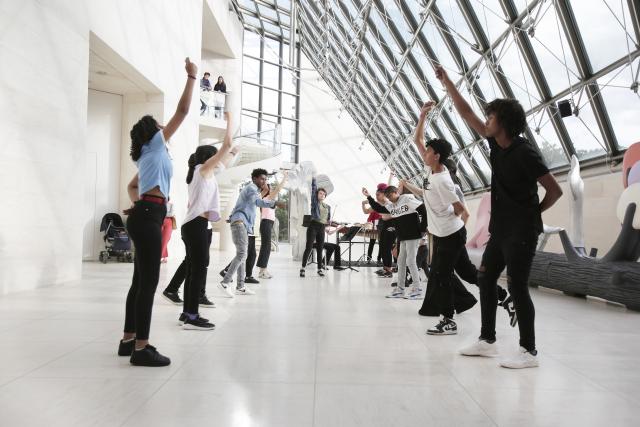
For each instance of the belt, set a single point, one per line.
(237, 221)
(153, 199)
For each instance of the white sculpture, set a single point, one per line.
(576, 184)
(299, 205)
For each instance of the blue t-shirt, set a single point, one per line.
(245, 208)
(154, 166)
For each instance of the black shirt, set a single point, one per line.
(220, 87)
(515, 206)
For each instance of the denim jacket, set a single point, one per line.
(245, 208)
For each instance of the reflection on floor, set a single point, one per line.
(326, 351)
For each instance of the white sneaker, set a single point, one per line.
(414, 293)
(264, 275)
(397, 292)
(227, 289)
(480, 348)
(523, 359)
(244, 291)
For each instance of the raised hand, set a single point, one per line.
(365, 192)
(441, 74)
(426, 108)
(190, 67)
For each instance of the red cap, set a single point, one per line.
(382, 186)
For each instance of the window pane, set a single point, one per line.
(249, 124)
(585, 134)
(250, 96)
(288, 128)
(623, 105)
(491, 17)
(547, 139)
(251, 70)
(271, 75)
(288, 153)
(269, 101)
(460, 31)
(288, 106)
(271, 50)
(251, 44)
(603, 36)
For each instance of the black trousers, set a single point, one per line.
(446, 253)
(386, 239)
(315, 234)
(194, 236)
(515, 252)
(422, 259)
(331, 249)
(266, 225)
(251, 257)
(181, 273)
(372, 244)
(144, 226)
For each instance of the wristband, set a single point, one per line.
(191, 77)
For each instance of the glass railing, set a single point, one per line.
(212, 103)
(269, 139)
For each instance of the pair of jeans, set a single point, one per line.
(251, 256)
(407, 258)
(315, 234)
(515, 252)
(144, 226)
(331, 249)
(240, 239)
(196, 243)
(386, 239)
(446, 254)
(181, 273)
(266, 225)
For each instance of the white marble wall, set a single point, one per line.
(44, 52)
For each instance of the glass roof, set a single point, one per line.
(378, 57)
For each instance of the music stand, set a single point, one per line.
(348, 237)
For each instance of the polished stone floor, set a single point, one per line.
(325, 352)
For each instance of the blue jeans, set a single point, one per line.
(240, 239)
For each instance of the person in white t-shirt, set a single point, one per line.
(445, 224)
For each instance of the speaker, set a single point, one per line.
(564, 107)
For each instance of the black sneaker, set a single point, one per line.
(380, 272)
(321, 273)
(198, 324)
(126, 347)
(251, 279)
(149, 356)
(507, 304)
(302, 272)
(446, 326)
(204, 301)
(339, 268)
(172, 297)
(183, 318)
(386, 275)
(223, 273)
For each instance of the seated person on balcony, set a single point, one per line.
(205, 85)
(220, 85)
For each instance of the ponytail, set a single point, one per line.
(192, 167)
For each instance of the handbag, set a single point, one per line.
(306, 220)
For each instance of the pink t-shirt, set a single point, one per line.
(268, 213)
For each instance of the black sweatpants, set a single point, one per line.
(266, 225)
(446, 252)
(386, 239)
(194, 236)
(144, 226)
(181, 273)
(315, 234)
(515, 252)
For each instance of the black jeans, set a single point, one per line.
(181, 273)
(251, 257)
(194, 236)
(446, 253)
(315, 234)
(266, 225)
(515, 252)
(372, 244)
(422, 259)
(332, 248)
(386, 239)
(144, 226)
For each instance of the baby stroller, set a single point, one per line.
(116, 240)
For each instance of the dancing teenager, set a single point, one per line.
(242, 219)
(320, 216)
(516, 221)
(204, 207)
(268, 218)
(410, 221)
(149, 191)
(171, 291)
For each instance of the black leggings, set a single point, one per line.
(315, 234)
(331, 249)
(181, 273)
(266, 225)
(386, 239)
(372, 244)
(194, 236)
(144, 226)
(516, 253)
